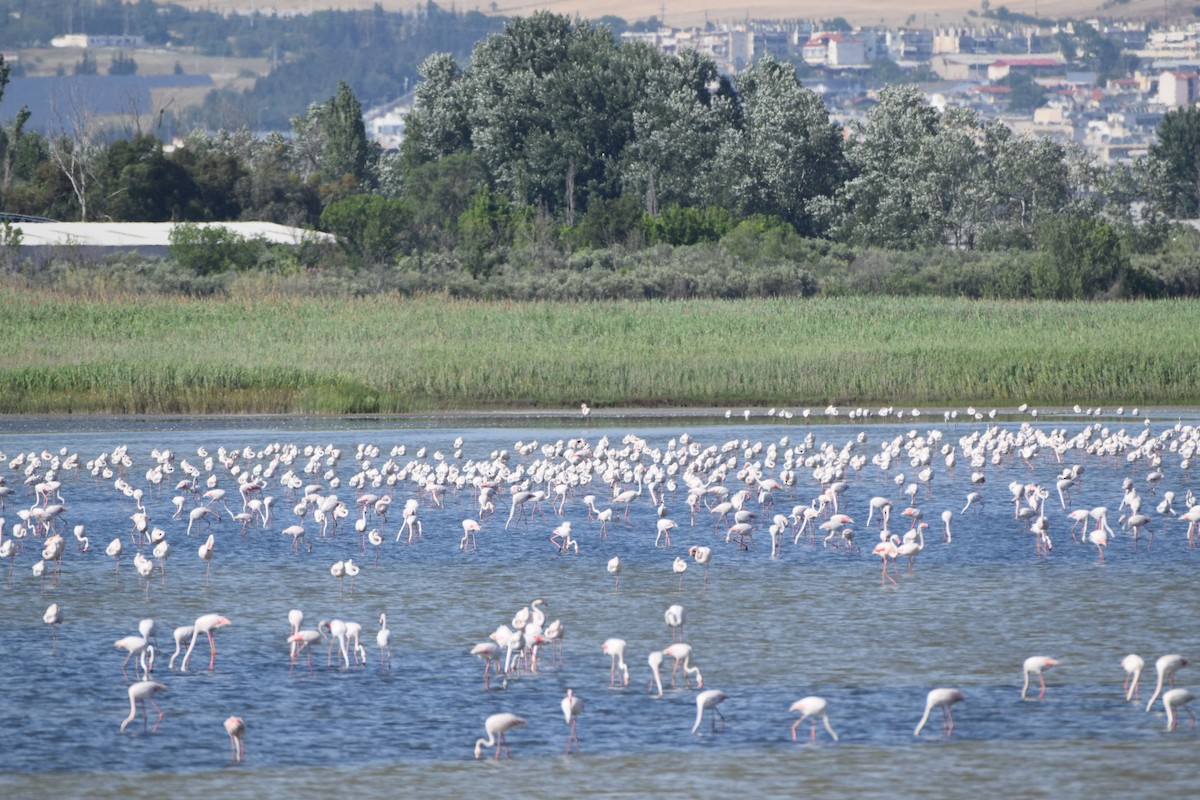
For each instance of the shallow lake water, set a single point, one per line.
(813, 621)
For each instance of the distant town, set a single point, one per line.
(982, 67)
(1114, 118)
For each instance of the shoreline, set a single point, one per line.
(758, 415)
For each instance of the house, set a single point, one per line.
(1177, 88)
(1033, 66)
(835, 50)
(89, 40)
(44, 241)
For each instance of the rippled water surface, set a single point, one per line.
(765, 632)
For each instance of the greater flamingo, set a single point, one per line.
(655, 660)
(614, 569)
(682, 653)
(53, 617)
(703, 556)
(496, 726)
(1166, 666)
(944, 699)
(615, 648)
(572, 707)
(679, 567)
(205, 624)
(236, 728)
(1132, 664)
(709, 699)
(489, 652)
(810, 708)
(674, 619)
(143, 691)
(383, 640)
(1175, 699)
(1034, 665)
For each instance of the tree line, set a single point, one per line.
(557, 149)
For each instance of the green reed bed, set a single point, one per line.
(280, 354)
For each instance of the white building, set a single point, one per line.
(86, 40)
(1176, 88)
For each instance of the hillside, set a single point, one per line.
(694, 12)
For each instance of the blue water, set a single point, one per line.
(765, 632)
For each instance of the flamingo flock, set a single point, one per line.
(798, 486)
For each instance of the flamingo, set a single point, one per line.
(205, 624)
(113, 551)
(664, 526)
(615, 648)
(1099, 537)
(183, 635)
(303, 641)
(679, 567)
(143, 691)
(674, 619)
(886, 550)
(1166, 666)
(944, 699)
(133, 646)
(913, 546)
(710, 699)
(572, 707)
(614, 569)
(655, 660)
(206, 553)
(1132, 664)
(1034, 665)
(384, 641)
(1177, 698)
(682, 653)
(488, 652)
(53, 617)
(519, 499)
(338, 570)
(810, 708)
(201, 513)
(947, 516)
(703, 556)
(554, 635)
(236, 728)
(496, 726)
(470, 528)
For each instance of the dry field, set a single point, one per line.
(929, 13)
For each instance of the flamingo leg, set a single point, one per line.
(212, 649)
(160, 714)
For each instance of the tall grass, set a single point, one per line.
(277, 353)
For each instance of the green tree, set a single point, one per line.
(546, 115)
(683, 109)
(331, 141)
(897, 193)
(437, 125)
(483, 228)
(136, 182)
(681, 106)
(677, 225)
(1026, 95)
(786, 153)
(1083, 258)
(122, 64)
(1175, 162)
(440, 191)
(211, 249)
(372, 230)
